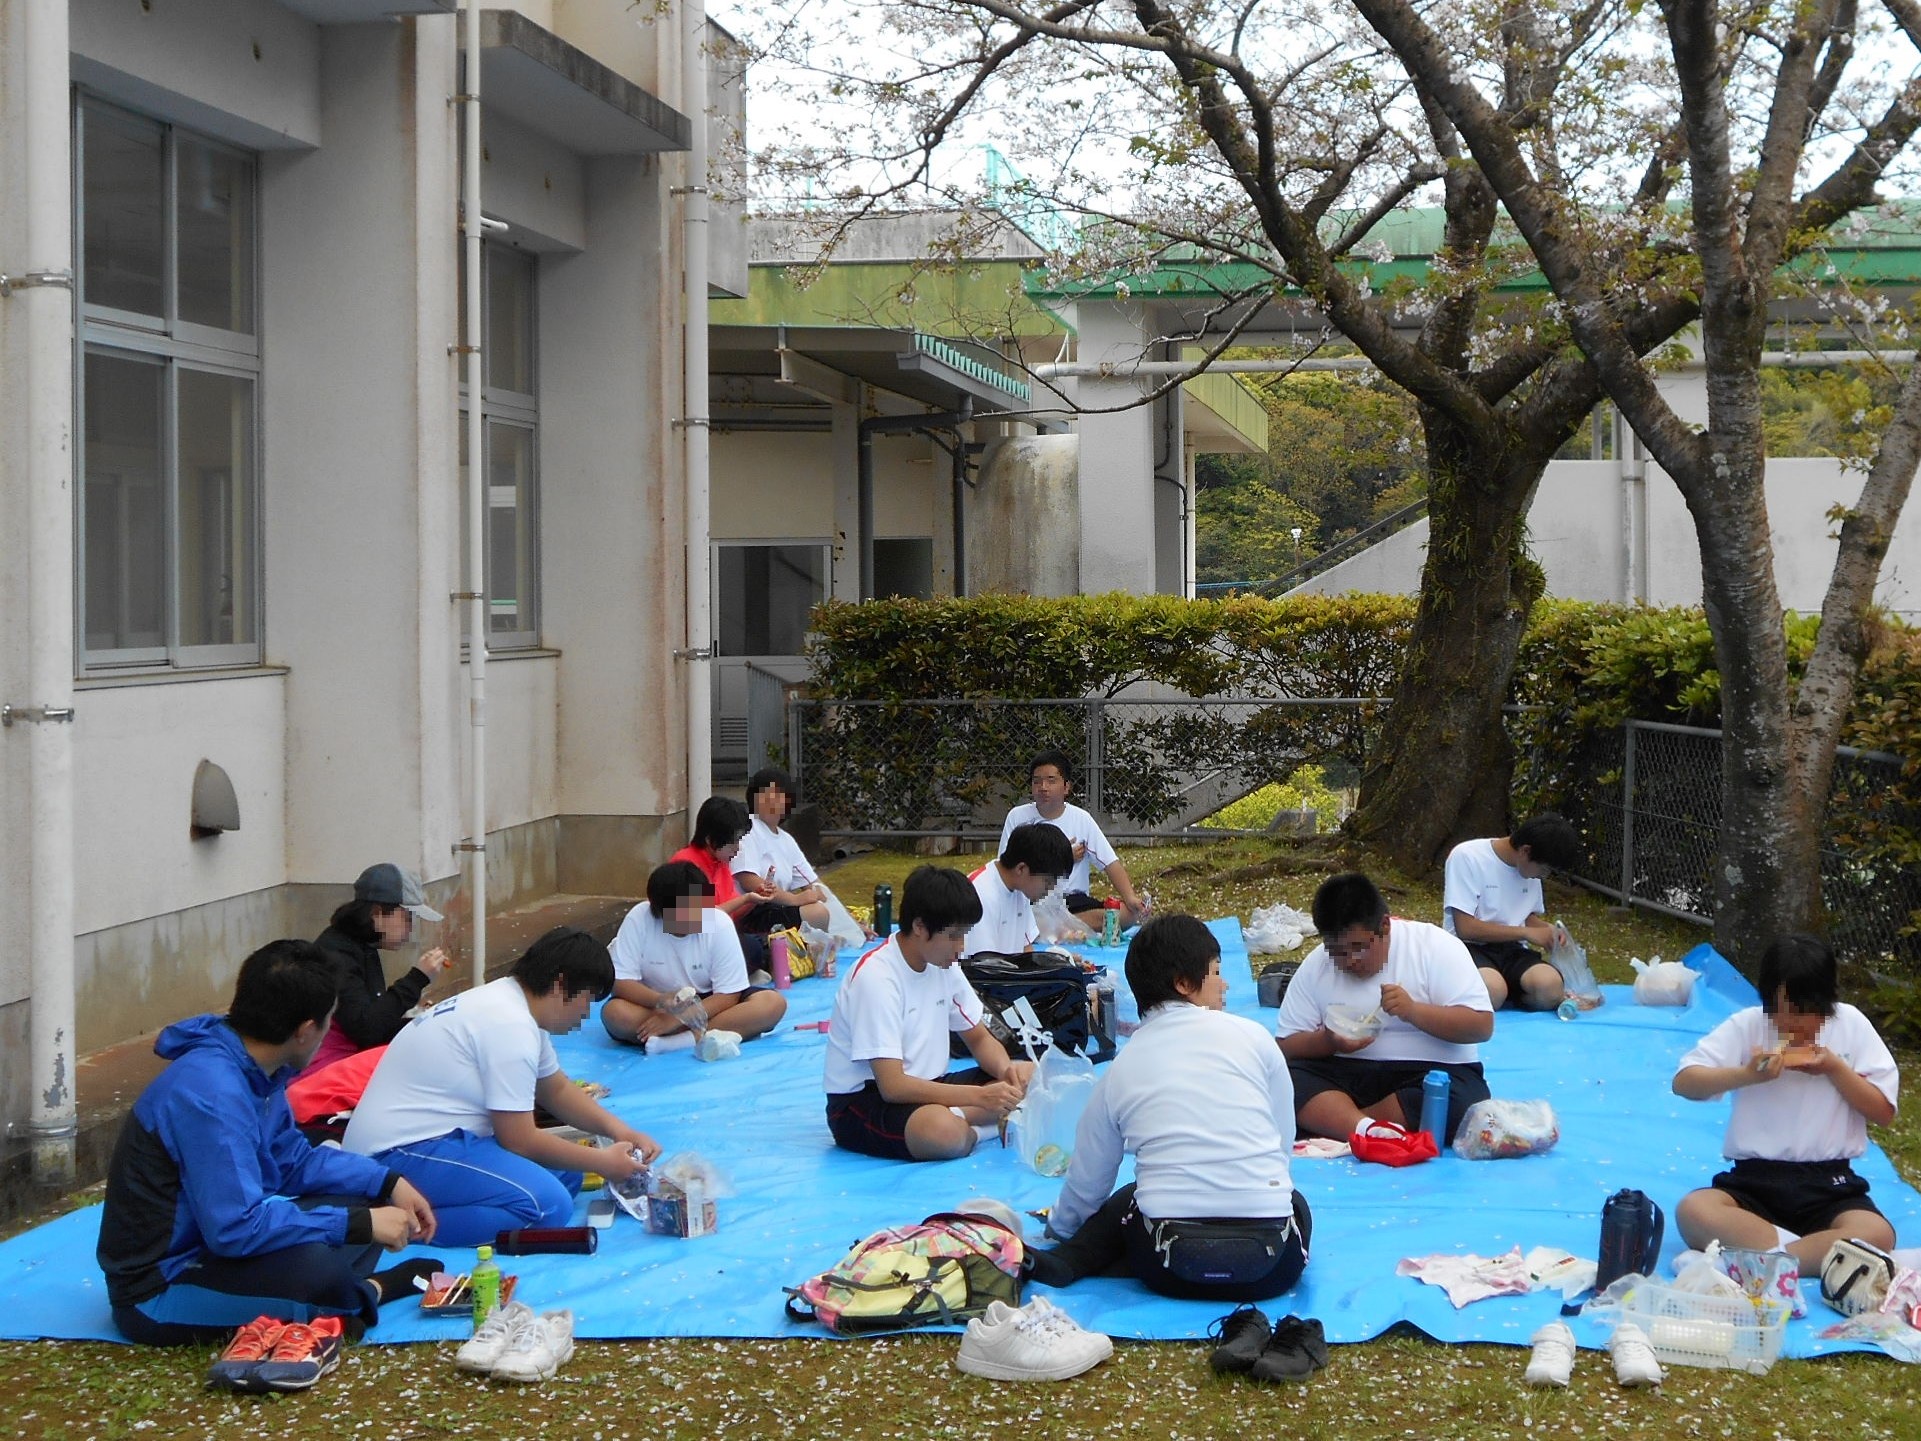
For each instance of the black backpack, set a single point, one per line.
(1056, 988)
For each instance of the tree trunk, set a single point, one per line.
(1761, 878)
(1443, 767)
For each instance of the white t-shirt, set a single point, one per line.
(1007, 919)
(450, 1067)
(711, 961)
(1204, 1103)
(763, 846)
(885, 1009)
(1479, 883)
(1796, 1117)
(1425, 961)
(1077, 825)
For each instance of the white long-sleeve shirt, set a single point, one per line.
(1204, 1103)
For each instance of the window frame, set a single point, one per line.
(519, 410)
(173, 345)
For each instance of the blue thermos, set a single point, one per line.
(1434, 1107)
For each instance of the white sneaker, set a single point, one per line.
(1039, 1343)
(1634, 1361)
(1553, 1359)
(480, 1353)
(538, 1347)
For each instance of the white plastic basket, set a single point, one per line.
(1716, 1332)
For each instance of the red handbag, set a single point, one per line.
(1391, 1144)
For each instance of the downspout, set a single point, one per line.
(959, 482)
(41, 304)
(695, 429)
(471, 226)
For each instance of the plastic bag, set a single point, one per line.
(1276, 928)
(841, 924)
(1057, 924)
(1763, 1275)
(1496, 1130)
(1048, 1114)
(1569, 957)
(1663, 983)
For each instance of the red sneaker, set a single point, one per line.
(304, 1353)
(238, 1367)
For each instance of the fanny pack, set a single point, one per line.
(1219, 1253)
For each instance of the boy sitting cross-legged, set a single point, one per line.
(889, 1092)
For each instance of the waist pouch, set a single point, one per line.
(1219, 1252)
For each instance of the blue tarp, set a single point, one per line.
(801, 1203)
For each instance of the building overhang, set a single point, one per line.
(828, 363)
(360, 12)
(532, 76)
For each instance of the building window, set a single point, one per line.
(764, 596)
(510, 420)
(167, 513)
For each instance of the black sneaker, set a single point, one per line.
(1242, 1335)
(1296, 1351)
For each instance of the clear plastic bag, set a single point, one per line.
(1057, 924)
(1663, 983)
(1276, 928)
(1045, 1121)
(1569, 957)
(1496, 1130)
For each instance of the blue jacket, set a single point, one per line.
(209, 1160)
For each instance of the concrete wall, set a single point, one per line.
(1023, 520)
(1118, 435)
(1603, 538)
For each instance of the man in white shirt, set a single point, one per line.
(1032, 861)
(889, 1092)
(451, 1105)
(770, 863)
(1808, 1075)
(1050, 780)
(1204, 1103)
(674, 939)
(1417, 981)
(1492, 901)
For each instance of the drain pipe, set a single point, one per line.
(474, 848)
(40, 304)
(695, 428)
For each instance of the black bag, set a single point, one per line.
(1055, 988)
(1216, 1253)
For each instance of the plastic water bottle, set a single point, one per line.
(1567, 1010)
(883, 910)
(1111, 923)
(485, 1285)
(777, 962)
(1434, 1093)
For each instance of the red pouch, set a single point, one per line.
(1391, 1144)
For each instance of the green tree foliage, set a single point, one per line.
(1827, 412)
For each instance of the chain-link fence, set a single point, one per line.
(1647, 800)
(1145, 766)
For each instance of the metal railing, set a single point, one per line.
(1303, 571)
(1647, 800)
(1145, 766)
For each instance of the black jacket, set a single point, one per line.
(371, 1012)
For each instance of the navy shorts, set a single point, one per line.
(1511, 959)
(867, 1122)
(1800, 1196)
(1366, 1083)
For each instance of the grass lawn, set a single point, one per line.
(905, 1387)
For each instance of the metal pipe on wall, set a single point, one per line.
(42, 306)
(695, 419)
(471, 225)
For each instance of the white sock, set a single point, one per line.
(1784, 1238)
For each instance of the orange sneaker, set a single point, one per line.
(304, 1353)
(238, 1367)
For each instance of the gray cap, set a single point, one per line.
(388, 885)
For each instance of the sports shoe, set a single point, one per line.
(490, 1339)
(237, 1368)
(1242, 1335)
(304, 1353)
(1553, 1360)
(1295, 1351)
(1634, 1361)
(1038, 1343)
(538, 1347)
